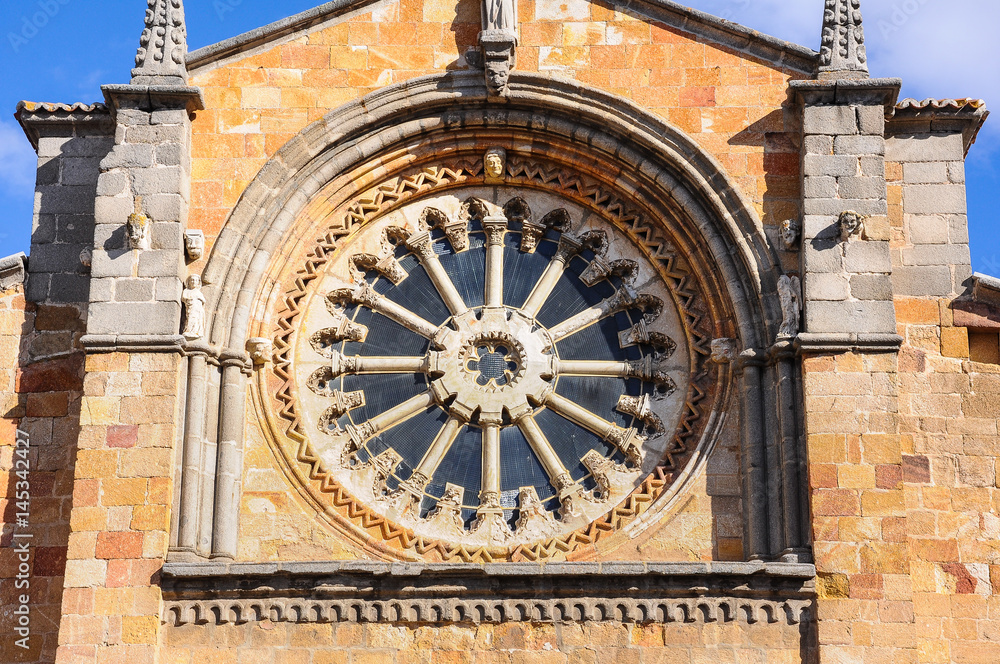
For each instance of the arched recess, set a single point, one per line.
(612, 141)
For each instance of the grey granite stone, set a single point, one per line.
(861, 256)
(871, 287)
(926, 281)
(934, 199)
(835, 120)
(928, 147)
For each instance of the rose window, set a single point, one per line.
(491, 370)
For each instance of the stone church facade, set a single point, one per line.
(505, 332)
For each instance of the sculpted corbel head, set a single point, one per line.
(791, 229)
(497, 75)
(851, 224)
(137, 229)
(194, 244)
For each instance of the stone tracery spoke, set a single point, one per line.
(496, 228)
(422, 245)
(626, 440)
(365, 295)
(649, 369)
(622, 300)
(569, 492)
(361, 364)
(424, 472)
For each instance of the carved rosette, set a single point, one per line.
(412, 361)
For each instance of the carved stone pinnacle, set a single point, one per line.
(842, 53)
(160, 59)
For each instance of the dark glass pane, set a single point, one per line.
(382, 392)
(598, 394)
(418, 294)
(385, 337)
(521, 271)
(462, 465)
(467, 270)
(411, 439)
(519, 466)
(570, 441)
(596, 342)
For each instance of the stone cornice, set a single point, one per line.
(499, 592)
(939, 116)
(883, 91)
(12, 270)
(37, 118)
(132, 343)
(152, 97)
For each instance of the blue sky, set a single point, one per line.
(63, 50)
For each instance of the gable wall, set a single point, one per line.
(730, 104)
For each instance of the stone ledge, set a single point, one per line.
(127, 343)
(844, 91)
(151, 97)
(359, 591)
(12, 270)
(808, 343)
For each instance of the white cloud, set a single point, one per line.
(18, 162)
(940, 48)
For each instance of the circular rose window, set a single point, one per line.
(490, 368)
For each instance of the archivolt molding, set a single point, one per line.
(695, 594)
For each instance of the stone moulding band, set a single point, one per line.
(133, 343)
(845, 343)
(321, 592)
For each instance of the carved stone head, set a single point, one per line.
(194, 244)
(259, 349)
(723, 351)
(851, 223)
(494, 163)
(137, 229)
(497, 75)
(790, 231)
(193, 282)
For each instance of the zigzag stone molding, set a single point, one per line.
(321, 592)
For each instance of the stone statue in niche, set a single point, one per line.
(194, 244)
(137, 228)
(494, 165)
(851, 224)
(499, 15)
(790, 294)
(791, 229)
(194, 309)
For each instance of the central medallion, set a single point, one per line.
(496, 362)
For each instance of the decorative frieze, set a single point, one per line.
(361, 592)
